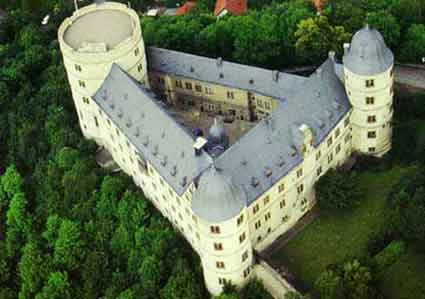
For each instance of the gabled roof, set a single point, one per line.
(157, 137)
(217, 71)
(234, 7)
(185, 8)
(268, 151)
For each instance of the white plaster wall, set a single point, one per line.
(230, 255)
(95, 66)
(382, 109)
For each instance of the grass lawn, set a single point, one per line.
(334, 237)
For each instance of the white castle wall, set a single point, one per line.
(381, 109)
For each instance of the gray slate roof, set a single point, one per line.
(268, 151)
(156, 135)
(223, 72)
(217, 197)
(368, 54)
(255, 162)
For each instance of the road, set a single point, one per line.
(414, 77)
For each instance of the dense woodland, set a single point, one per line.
(71, 230)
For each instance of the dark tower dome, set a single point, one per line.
(217, 197)
(368, 54)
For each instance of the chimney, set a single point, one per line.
(346, 48)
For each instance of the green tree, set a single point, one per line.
(407, 206)
(16, 224)
(350, 280)
(33, 270)
(12, 181)
(57, 287)
(338, 190)
(387, 25)
(316, 37)
(69, 247)
(413, 48)
(182, 283)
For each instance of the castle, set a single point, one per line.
(228, 198)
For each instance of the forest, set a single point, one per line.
(69, 229)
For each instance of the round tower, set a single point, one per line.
(91, 40)
(369, 79)
(225, 246)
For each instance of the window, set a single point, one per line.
(282, 203)
(188, 85)
(208, 91)
(266, 200)
(81, 83)
(267, 105)
(179, 83)
(139, 68)
(346, 122)
(338, 148)
(240, 220)
(242, 238)
(371, 149)
(318, 155)
(215, 229)
(300, 188)
(222, 280)
(246, 272)
(161, 80)
(267, 216)
(218, 246)
(96, 122)
(285, 218)
(299, 173)
(371, 134)
(370, 100)
(86, 100)
(256, 208)
(329, 141)
(281, 187)
(198, 88)
(244, 256)
(136, 52)
(371, 119)
(220, 265)
(78, 68)
(337, 132)
(370, 83)
(319, 170)
(330, 158)
(257, 224)
(347, 138)
(259, 103)
(230, 95)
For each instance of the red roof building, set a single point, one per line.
(185, 8)
(319, 4)
(234, 7)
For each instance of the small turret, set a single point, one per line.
(218, 141)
